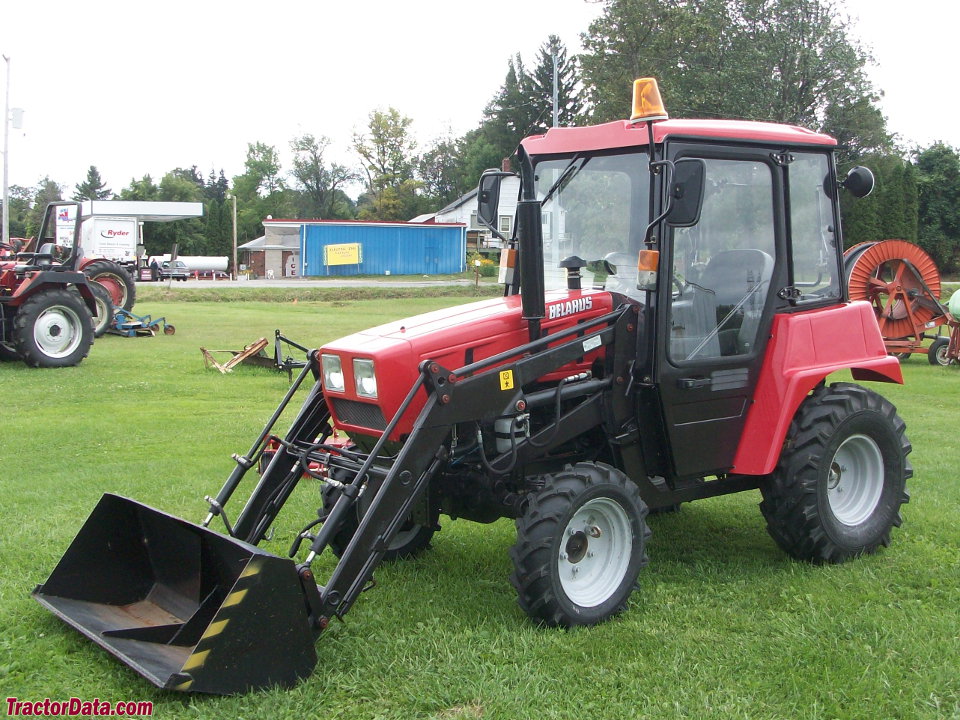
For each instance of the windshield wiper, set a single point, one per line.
(568, 173)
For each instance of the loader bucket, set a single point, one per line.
(186, 607)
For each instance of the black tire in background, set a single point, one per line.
(837, 489)
(581, 544)
(8, 353)
(937, 353)
(103, 318)
(53, 328)
(117, 281)
(411, 539)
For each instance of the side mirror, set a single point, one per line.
(859, 181)
(488, 198)
(686, 192)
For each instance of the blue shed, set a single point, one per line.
(344, 247)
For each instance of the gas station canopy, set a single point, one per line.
(143, 210)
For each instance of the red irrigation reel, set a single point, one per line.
(902, 283)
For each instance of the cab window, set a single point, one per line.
(816, 270)
(722, 266)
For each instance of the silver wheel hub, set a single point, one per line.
(57, 331)
(855, 480)
(595, 552)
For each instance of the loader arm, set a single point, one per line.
(482, 390)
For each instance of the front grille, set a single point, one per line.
(351, 412)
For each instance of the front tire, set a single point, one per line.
(837, 490)
(53, 328)
(580, 546)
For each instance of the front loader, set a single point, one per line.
(673, 304)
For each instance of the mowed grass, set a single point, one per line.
(724, 625)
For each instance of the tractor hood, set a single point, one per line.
(453, 337)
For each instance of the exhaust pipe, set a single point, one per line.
(186, 607)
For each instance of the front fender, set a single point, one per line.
(804, 348)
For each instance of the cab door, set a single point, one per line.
(717, 305)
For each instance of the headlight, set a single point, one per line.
(332, 373)
(365, 379)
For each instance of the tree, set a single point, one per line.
(439, 170)
(321, 185)
(890, 211)
(792, 61)
(388, 150)
(522, 106)
(20, 200)
(142, 189)
(477, 151)
(93, 187)
(46, 191)
(539, 87)
(260, 191)
(217, 214)
(938, 172)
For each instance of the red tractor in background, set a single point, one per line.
(673, 304)
(46, 305)
(113, 285)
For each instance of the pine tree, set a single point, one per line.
(540, 86)
(93, 187)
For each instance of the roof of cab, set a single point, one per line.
(623, 133)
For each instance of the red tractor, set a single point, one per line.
(46, 305)
(673, 304)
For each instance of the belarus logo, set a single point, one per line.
(562, 309)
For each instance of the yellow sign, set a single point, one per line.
(506, 380)
(345, 254)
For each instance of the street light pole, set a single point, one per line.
(6, 156)
(234, 198)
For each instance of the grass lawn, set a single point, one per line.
(724, 625)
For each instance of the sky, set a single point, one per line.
(139, 88)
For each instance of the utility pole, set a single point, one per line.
(6, 159)
(556, 110)
(234, 273)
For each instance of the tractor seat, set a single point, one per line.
(727, 306)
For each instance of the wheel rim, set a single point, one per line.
(114, 286)
(855, 479)
(57, 331)
(942, 358)
(595, 552)
(103, 312)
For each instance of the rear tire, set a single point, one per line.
(937, 354)
(104, 315)
(53, 328)
(581, 544)
(117, 281)
(841, 479)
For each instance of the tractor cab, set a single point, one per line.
(711, 227)
(57, 245)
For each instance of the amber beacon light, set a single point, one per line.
(647, 104)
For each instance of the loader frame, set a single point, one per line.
(480, 391)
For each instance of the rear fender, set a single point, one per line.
(43, 280)
(804, 348)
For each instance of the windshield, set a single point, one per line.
(595, 208)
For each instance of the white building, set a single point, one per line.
(464, 210)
